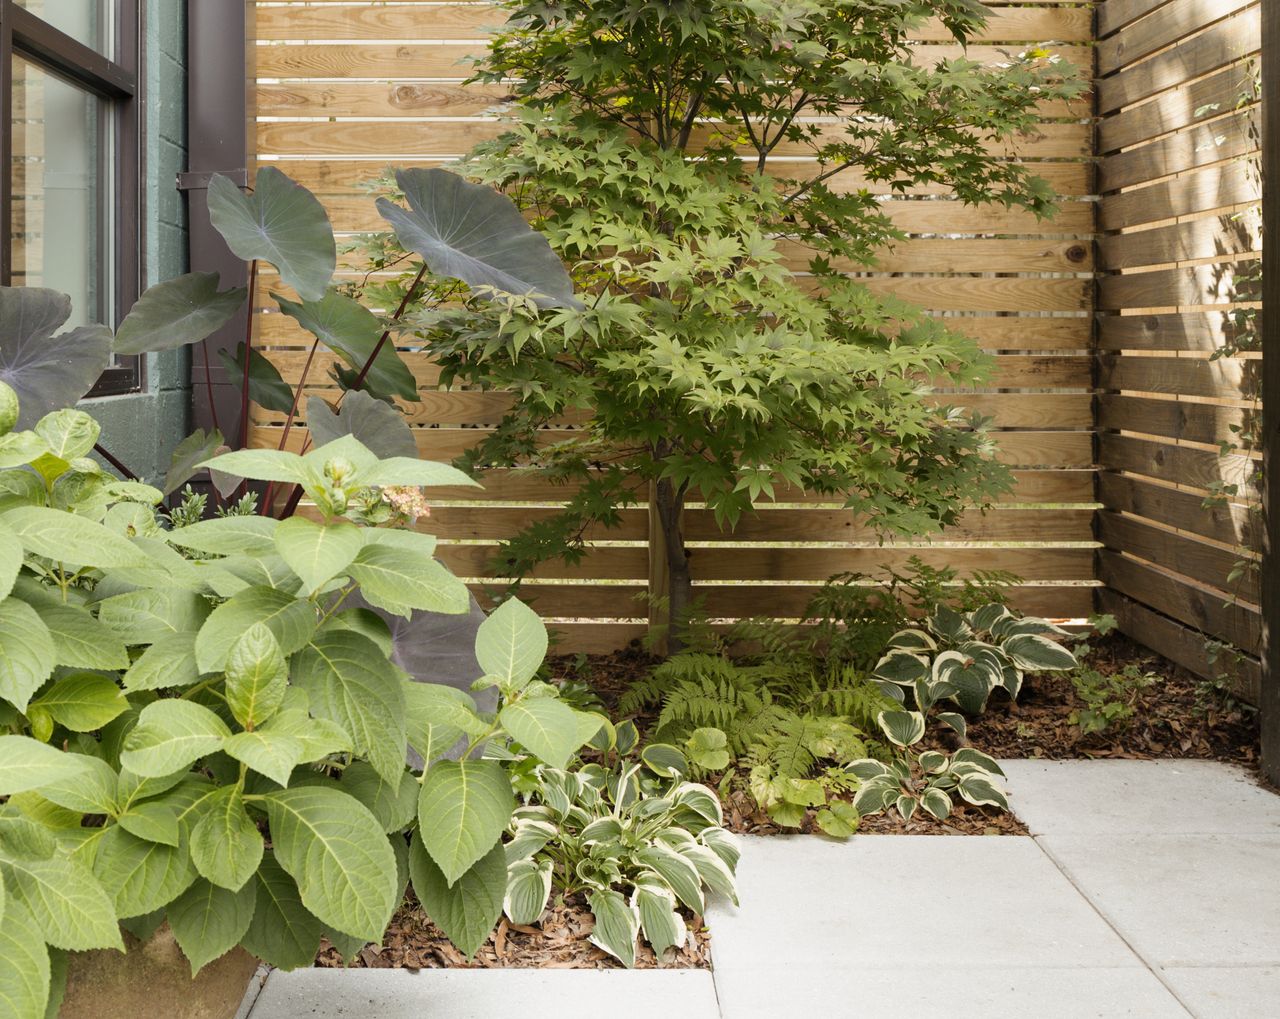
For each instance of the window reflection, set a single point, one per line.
(63, 237)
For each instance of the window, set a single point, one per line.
(69, 179)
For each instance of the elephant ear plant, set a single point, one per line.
(197, 730)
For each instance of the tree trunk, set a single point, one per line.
(670, 509)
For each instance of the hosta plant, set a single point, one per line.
(927, 780)
(964, 657)
(199, 730)
(636, 839)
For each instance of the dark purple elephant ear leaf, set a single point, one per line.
(475, 234)
(47, 372)
(379, 426)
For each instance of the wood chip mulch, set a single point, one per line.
(559, 941)
(1174, 717)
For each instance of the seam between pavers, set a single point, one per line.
(1154, 970)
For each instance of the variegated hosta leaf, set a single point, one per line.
(970, 756)
(936, 802)
(661, 925)
(902, 728)
(949, 624)
(913, 639)
(1035, 653)
(617, 925)
(715, 873)
(602, 829)
(701, 800)
(983, 619)
(954, 720)
(677, 872)
(528, 888)
(971, 678)
(981, 791)
(901, 667)
(932, 762)
(867, 769)
(528, 838)
(876, 795)
(907, 806)
(724, 844)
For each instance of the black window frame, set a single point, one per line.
(118, 82)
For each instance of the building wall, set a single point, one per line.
(142, 428)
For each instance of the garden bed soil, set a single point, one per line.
(558, 942)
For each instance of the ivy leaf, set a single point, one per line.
(47, 372)
(548, 728)
(209, 921)
(256, 677)
(353, 332)
(177, 312)
(226, 846)
(64, 899)
(27, 654)
(317, 552)
(511, 644)
(282, 933)
(336, 851)
(463, 809)
(83, 701)
(467, 909)
(476, 234)
(281, 222)
(351, 682)
(170, 736)
(291, 621)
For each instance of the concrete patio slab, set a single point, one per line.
(930, 990)
(1182, 900)
(1134, 797)
(486, 994)
(1239, 992)
(878, 900)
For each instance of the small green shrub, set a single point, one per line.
(638, 842)
(929, 780)
(1109, 697)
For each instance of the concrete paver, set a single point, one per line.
(486, 994)
(1238, 992)
(1138, 797)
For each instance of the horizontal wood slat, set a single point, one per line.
(1225, 378)
(1210, 97)
(1178, 553)
(1220, 236)
(1179, 643)
(1226, 138)
(1200, 330)
(1217, 187)
(1204, 423)
(1200, 285)
(344, 89)
(1171, 25)
(1227, 522)
(1182, 465)
(1223, 44)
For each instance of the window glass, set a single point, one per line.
(63, 236)
(86, 21)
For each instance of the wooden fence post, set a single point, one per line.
(1270, 694)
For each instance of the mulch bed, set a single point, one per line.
(558, 942)
(1175, 717)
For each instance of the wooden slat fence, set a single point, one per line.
(1179, 263)
(343, 89)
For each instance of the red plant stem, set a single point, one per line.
(248, 339)
(408, 296)
(98, 448)
(297, 393)
(208, 382)
(295, 496)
